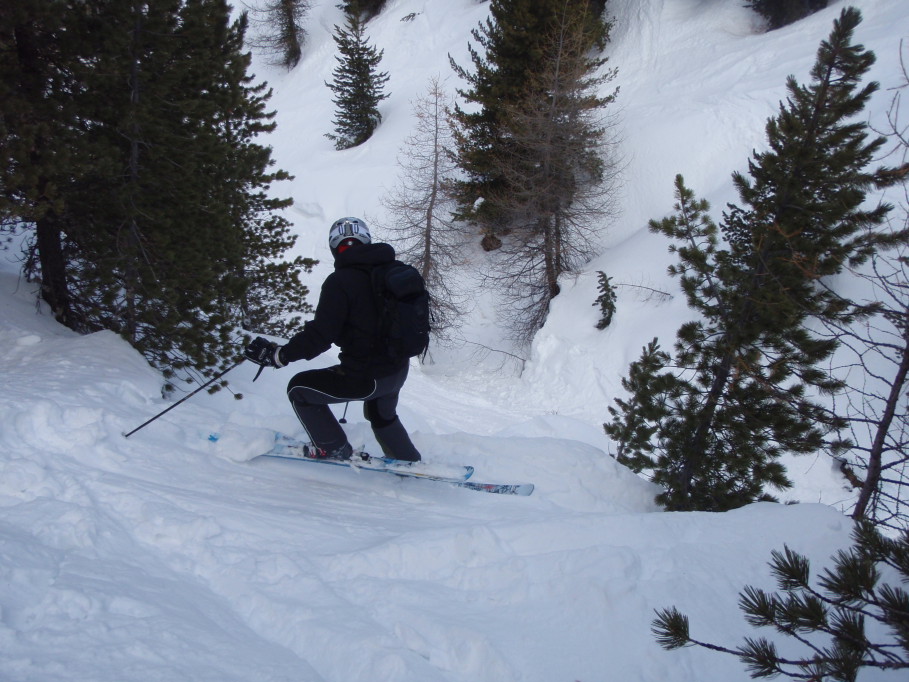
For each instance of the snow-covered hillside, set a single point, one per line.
(171, 557)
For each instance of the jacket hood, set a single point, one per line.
(365, 254)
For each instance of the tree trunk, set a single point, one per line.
(876, 453)
(54, 291)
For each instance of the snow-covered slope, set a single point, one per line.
(172, 557)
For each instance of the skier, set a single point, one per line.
(347, 315)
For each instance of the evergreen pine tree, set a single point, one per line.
(363, 9)
(211, 255)
(45, 140)
(514, 44)
(170, 234)
(357, 85)
(551, 171)
(280, 30)
(560, 168)
(605, 300)
(782, 12)
(637, 420)
(741, 398)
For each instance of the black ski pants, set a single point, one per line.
(312, 391)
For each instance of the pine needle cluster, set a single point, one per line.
(856, 617)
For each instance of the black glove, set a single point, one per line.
(264, 352)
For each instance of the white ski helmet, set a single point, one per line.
(344, 229)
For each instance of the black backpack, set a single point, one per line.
(403, 304)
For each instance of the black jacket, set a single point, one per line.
(347, 316)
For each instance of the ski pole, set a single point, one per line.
(183, 399)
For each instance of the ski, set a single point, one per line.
(292, 449)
